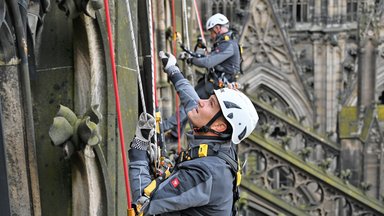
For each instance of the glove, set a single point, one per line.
(183, 56)
(169, 63)
(186, 57)
(167, 59)
(189, 60)
(145, 130)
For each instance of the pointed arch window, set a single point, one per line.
(352, 10)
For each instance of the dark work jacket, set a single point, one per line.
(202, 186)
(224, 56)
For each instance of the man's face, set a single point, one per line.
(214, 31)
(204, 112)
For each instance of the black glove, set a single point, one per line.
(145, 129)
(189, 60)
(169, 63)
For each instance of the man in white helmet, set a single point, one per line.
(223, 64)
(204, 180)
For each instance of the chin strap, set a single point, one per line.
(206, 128)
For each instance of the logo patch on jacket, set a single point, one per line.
(175, 182)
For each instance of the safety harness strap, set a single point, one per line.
(204, 150)
(144, 200)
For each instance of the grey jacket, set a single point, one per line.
(202, 186)
(224, 56)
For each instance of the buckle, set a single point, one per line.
(203, 150)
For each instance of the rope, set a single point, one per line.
(116, 90)
(186, 32)
(153, 59)
(174, 28)
(199, 21)
(135, 55)
(177, 97)
(154, 65)
(158, 138)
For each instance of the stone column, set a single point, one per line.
(319, 80)
(317, 12)
(343, 11)
(331, 11)
(366, 71)
(367, 54)
(332, 80)
(352, 157)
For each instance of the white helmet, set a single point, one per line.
(217, 19)
(239, 112)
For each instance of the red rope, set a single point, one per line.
(177, 97)
(199, 21)
(174, 28)
(116, 90)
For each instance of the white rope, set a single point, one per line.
(152, 58)
(135, 55)
(186, 32)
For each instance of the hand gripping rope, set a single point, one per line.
(174, 42)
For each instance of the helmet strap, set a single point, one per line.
(206, 128)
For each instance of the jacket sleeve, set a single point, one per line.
(139, 174)
(217, 56)
(190, 186)
(188, 96)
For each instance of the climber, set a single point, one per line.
(205, 179)
(222, 64)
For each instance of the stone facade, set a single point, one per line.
(320, 63)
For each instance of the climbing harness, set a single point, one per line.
(119, 119)
(217, 77)
(144, 200)
(221, 79)
(206, 150)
